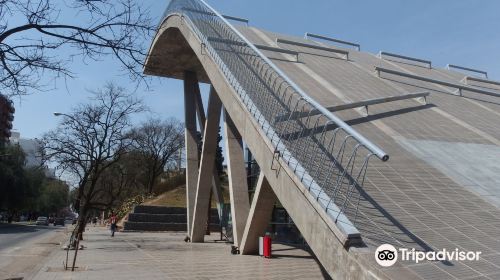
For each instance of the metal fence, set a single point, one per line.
(328, 156)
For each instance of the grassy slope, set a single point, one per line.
(172, 198)
(177, 198)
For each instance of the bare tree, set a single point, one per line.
(89, 141)
(158, 142)
(32, 35)
(116, 184)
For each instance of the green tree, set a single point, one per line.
(33, 180)
(219, 157)
(53, 197)
(12, 176)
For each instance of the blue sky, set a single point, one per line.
(462, 32)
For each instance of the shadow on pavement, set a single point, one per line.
(6, 228)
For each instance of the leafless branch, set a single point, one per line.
(91, 140)
(159, 143)
(30, 51)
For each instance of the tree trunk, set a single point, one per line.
(80, 224)
(150, 186)
(76, 251)
(80, 228)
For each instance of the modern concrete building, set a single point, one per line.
(361, 149)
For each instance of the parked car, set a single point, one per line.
(59, 221)
(44, 221)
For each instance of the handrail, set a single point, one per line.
(339, 122)
(262, 47)
(482, 80)
(357, 46)
(448, 66)
(406, 57)
(311, 46)
(236, 19)
(439, 82)
(375, 101)
(274, 49)
(364, 103)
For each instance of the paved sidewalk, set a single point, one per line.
(135, 255)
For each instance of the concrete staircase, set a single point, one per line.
(159, 218)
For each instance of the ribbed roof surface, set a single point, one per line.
(441, 186)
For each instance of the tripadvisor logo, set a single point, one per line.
(387, 255)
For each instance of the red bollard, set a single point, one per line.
(267, 246)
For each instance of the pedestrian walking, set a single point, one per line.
(113, 220)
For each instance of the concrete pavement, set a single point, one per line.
(164, 255)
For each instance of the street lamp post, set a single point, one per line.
(57, 114)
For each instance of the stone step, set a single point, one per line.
(148, 209)
(157, 218)
(145, 226)
(163, 218)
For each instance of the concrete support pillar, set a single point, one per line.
(216, 186)
(205, 175)
(238, 188)
(191, 142)
(258, 217)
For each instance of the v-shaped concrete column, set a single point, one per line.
(238, 188)
(216, 187)
(191, 142)
(205, 173)
(259, 216)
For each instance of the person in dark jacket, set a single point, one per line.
(113, 220)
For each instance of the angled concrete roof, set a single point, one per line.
(441, 186)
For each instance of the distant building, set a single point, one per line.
(14, 137)
(31, 148)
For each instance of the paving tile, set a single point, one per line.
(163, 255)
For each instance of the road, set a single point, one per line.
(23, 247)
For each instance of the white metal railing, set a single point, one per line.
(319, 147)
